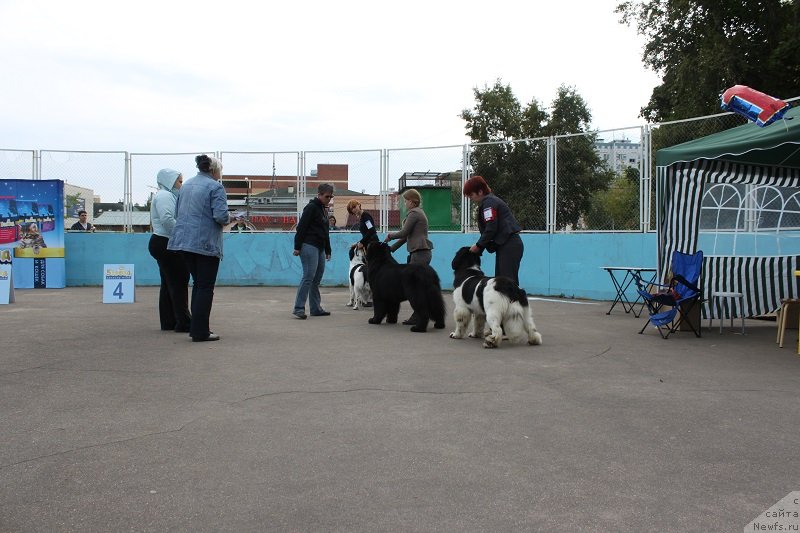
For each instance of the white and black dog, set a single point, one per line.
(493, 304)
(359, 284)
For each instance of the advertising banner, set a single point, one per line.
(6, 278)
(32, 230)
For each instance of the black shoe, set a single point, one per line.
(368, 304)
(416, 329)
(301, 316)
(409, 322)
(322, 313)
(211, 337)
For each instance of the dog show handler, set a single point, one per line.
(499, 229)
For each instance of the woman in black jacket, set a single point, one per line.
(366, 225)
(313, 244)
(499, 229)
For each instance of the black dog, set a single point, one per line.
(392, 283)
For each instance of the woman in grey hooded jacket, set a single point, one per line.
(173, 299)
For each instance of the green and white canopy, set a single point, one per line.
(748, 155)
(775, 145)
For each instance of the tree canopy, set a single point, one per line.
(702, 47)
(514, 158)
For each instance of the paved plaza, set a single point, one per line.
(331, 424)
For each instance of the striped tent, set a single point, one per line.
(746, 155)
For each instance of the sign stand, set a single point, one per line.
(118, 284)
(6, 281)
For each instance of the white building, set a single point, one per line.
(82, 198)
(619, 154)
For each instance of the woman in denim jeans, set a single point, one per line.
(313, 244)
(202, 211)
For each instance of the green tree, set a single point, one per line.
(702, 47)
(71, 201)
(514, 169)
(617, 207)
(581, 172)
(515, 163)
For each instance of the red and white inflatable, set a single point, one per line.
(753, 105)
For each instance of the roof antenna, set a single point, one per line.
(273, 186)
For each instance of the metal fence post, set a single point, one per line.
(645, 179)
(127, 205)
(466, 207)
(301, 184)
(384, 191)
(551, 187)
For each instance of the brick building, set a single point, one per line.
(270, 202)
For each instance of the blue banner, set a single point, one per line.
(32, 229)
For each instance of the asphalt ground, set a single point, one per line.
(332, 424)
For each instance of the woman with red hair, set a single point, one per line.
(366, 224)
(499, 229)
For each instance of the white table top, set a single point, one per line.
(628, 268)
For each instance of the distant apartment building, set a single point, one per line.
(619, 154)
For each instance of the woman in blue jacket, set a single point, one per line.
(173, 299)
(202, 212)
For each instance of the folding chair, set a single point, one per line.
(672, 304)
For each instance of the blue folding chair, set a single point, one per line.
(671, 305)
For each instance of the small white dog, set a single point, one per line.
(360, 292)
(493, 304)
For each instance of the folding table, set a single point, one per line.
(621, 286)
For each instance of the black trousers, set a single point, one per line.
(509, 257)
(173, 299)
(203, 269)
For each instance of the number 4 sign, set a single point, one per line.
(118, 285)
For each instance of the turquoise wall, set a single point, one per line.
(554, 265)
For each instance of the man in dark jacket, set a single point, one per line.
(313, 244)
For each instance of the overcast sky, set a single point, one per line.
(298, 75)
(186, 76)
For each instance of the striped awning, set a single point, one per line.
(762, 280)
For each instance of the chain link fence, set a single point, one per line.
(517, 172)
(17, 164)
(144, 169)
(263, 187)
(597, 181)
(599, 178)
(437, 174)
(355, 174)
(90, 178)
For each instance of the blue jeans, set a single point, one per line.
(313, 261)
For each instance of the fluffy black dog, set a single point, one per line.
(392, 283)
